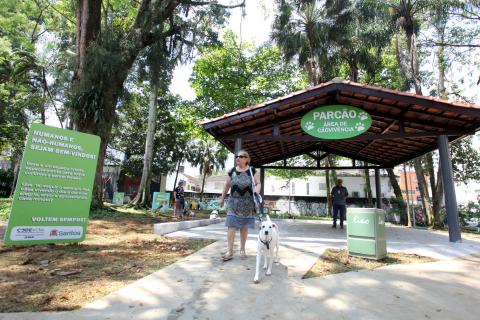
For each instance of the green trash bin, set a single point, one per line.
(366, 233)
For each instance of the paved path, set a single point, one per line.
(201, 286)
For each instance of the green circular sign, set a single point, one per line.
(336, 122)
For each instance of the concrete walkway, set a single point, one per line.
(201, 286)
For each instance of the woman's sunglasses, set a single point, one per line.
(241, 157)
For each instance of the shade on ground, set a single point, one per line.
(201, 286)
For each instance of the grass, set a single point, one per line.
(4, 208)
(120, 248)
(338, 261)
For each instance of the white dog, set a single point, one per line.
(268, 240)
(214, 214)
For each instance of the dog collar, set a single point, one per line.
(267, 243)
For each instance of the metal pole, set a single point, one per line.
(449, 189)
(262, 189)
(408, 196)
(378, 189)
(238, 147)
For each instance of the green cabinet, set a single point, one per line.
(366, 233)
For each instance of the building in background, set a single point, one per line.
(414, 196)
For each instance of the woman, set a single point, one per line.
(179, 197)
(241, 207)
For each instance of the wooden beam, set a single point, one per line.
(326, 168)
(363, 137)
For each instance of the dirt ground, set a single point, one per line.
(120, 248)
(338, 261)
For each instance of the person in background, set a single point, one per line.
(240, 206)
(339, 198)
(179, 198)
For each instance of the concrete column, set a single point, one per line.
(238, 147)
(449, 189)
(378, 189)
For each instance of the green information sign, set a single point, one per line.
(336, 122)
(118, 198)
(54, 189)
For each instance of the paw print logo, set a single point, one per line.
(309, 125)
(363, 116)
(359, 126)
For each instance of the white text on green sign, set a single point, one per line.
(336, 122)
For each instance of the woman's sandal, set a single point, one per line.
(227, 256)
(243, 256)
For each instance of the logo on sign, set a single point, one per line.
(46, 232)
(360, 221)
(336, 122)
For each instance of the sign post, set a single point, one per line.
(52, 199)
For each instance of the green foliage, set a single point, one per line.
(208, 155)
(470, 211)
(20, 96)
(227, 78)
(465, 161)
(287, 174)
(171, 136)
(5, 205)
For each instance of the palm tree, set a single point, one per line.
(299, 29)
(405, 16)
(209, 156)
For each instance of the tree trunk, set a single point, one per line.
(436, 187)
(414, 64)
(438, 223)
(368, 187)
(143, 195)
(334, 173)
(407, 189)
(88, 14)
(398, 196)
(203, 185)
(353, 76)
(423, 188)
(16, 172)
(175, 182)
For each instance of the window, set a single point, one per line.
(308, 188)
(293, 187)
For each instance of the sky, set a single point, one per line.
(254, 27)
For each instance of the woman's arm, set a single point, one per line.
(258, 184)
(226, 187)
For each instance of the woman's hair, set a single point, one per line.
(245, 152)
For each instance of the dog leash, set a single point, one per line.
(267, 243)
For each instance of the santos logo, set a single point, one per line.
(360, 221)
(46, 233)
